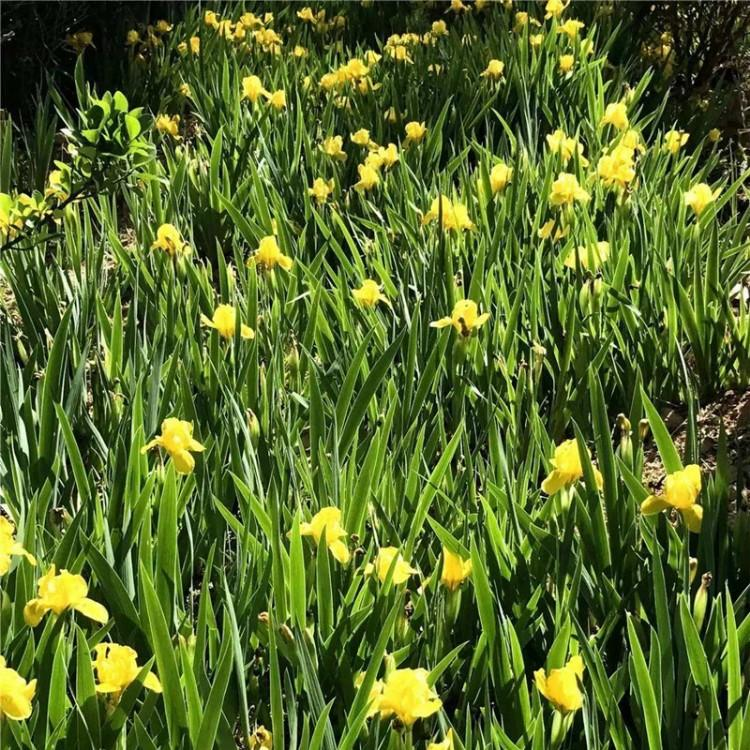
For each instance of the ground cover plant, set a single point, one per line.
(334, 379)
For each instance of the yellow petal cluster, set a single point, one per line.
(566, 468)
(269, 255)
(169, 125)
(369, 294)
(58, 592)
(455, 215)
(407, 696)
(616, 114)
(169, 239)
(329, 520)
(494, 70)
(681, 491)
(567, 147)
(465, 318)
(320, 190)
(116, 667)
(616, 168)
(455, 570)
(9, 547)
(500, 176)
(700, 196)
(402, 571)
(566, 191)
(224, 322)
(590, 258)
(177, 440)
(16, 694)
(561, 687)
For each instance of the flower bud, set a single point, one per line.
(292, 360)
(643, 429)
(693, 566)
(701, 600)
(626, 442)
(253, 427)
(286, 633)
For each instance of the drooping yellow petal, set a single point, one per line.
(34, 611)
(693, 517)
(151, 682)
(93, 610)
(554, 482)
(654, 504)
(184, 463)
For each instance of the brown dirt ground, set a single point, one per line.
(733, 409)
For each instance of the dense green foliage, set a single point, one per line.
(424, 438)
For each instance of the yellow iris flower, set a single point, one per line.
(177, 439)
(59, 592)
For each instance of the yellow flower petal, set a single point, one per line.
(654, 504)
(93, 610)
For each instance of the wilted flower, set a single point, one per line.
(561, 686)
(681, 491)
(465, 318)
(383, 561)
(15, 694)
(116, 668)
(177, 440)
(328, 519)
(566, 468)
(224, 322)
(269, 255)
(59, 592)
